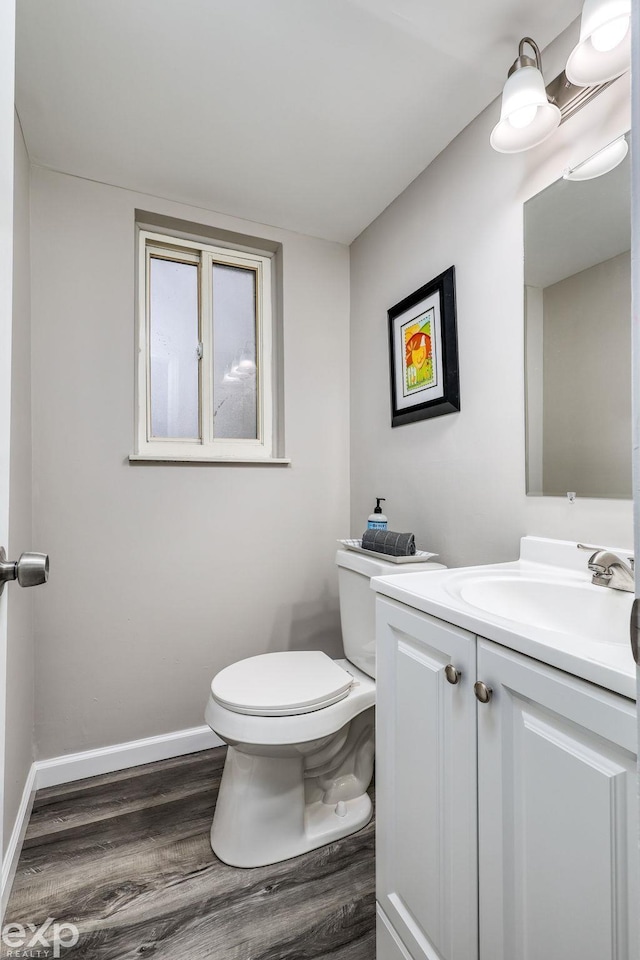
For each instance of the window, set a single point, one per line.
(205, 360)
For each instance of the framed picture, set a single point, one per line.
(423, 352)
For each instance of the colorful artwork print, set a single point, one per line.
(419, 357)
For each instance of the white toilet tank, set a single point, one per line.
(358, 602)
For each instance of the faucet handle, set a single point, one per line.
(590, 547)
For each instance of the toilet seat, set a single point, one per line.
(266, 732)
(283, 684)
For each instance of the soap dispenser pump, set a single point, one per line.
(377, 520)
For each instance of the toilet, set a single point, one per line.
(300, 731)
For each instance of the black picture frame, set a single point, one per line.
(431, 378)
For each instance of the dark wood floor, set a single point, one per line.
(126, 857)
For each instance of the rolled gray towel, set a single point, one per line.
(389, 542)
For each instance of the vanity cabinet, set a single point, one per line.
(505, 829)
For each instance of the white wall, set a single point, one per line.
(163, 574)
(458, 481)
(20, 667)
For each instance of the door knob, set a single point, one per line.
(30, 570)
(482, 691)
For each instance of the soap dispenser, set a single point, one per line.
(377, 520)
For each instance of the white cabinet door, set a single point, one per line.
(426, 784)
(558, 833)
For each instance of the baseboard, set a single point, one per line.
(14, 847)
(90, 763)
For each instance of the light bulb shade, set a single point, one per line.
(523, 91)
(587, 65)
(601, 162)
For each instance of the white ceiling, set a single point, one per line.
(306, 114)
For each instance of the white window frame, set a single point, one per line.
(206, 448)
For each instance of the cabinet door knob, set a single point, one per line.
(482, 691)
(452, 675)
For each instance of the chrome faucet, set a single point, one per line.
(610, 570)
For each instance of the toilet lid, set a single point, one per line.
(281, 684)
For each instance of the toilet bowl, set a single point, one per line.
(300, 732)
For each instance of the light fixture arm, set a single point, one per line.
(525, 61)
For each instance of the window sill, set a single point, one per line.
(237, 461)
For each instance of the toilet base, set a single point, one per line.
(323, 824)
(244, 836)
(272, 808)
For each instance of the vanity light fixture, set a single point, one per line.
(604, 49)
(601, 162)
(527, 117)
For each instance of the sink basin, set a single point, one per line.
(543, 605)
(593, 613)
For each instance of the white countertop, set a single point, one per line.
(609, 664)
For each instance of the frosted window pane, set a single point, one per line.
(234, 353)
(174, 346)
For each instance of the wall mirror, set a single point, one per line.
(577, 275)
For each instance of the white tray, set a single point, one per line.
(420, 556)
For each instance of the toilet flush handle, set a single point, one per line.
(30, 570)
